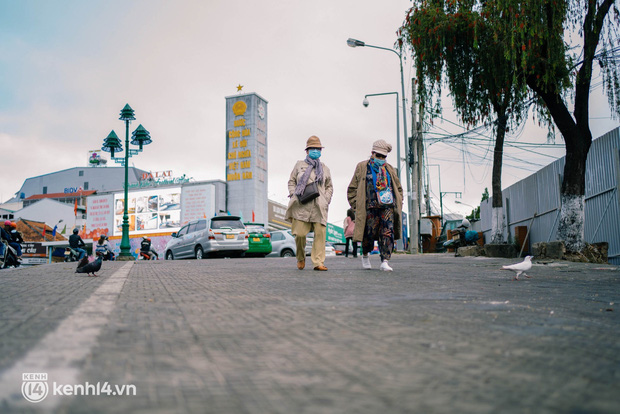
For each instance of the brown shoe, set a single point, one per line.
(301, 265)
(321, 268)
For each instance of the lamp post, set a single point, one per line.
(413, 213)
(366, 103)
(112, 144)
(55, 228)
(473, 209)
(441, 194)
(465, 204)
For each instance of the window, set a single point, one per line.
(226, 223)
(81, 174)
(201, 225)
(277, 236)
(256, 229)
(182, 232)
(44, 190)
(192, 228)
(86, 185)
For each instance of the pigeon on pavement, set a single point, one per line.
(520, 268)
(83, 262)
(91, 267)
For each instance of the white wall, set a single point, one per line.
(50, 212)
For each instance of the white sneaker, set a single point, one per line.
(385, 266)
(366, 262)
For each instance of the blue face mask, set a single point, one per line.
(314, 154)
(379, 162)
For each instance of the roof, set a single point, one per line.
(32, 231)
(62, 195)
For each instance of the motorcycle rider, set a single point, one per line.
(145, 248)
(103, 247)
(15, 237)
(76, 243)
(462, 229)
(4, 235)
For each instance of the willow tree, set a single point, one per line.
(456, 45)
(532, 40)
(556, 72)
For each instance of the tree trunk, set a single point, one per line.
(498, 225)
(576, 131)
(578, 140)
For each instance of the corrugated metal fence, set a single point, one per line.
(539, 194)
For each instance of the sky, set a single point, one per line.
(67, 68)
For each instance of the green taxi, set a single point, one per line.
(259, 240)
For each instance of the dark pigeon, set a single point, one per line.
(83, 262)
(91, 267)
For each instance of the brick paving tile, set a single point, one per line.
(438, 335)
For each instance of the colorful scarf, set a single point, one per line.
(313, 164)
(381, 183)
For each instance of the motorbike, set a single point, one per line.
(466, 238)
(105, 254)
(10, 256)
(71, 255)
(147, 256)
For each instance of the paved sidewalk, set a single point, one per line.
(438, 335)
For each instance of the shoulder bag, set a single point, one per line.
(310, 193)
(385, 197)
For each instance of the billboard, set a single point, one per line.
(96, 159)
(335, 234)
(149, 211)
(156, 210)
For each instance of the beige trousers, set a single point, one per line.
(300, 229)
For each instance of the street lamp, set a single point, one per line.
(465, 204)
(441, 194)
(475, 216)
(56, 228)
(112, 144)
(366, 103)
(413, 215)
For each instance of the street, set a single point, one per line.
(440, 334)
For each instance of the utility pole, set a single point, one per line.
(414, 188)
(420, 153)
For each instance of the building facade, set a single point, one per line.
(246, 157)
(77, 179)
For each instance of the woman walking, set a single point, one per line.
(310, 190)
(349, 230)
(376, 196)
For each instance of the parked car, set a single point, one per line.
(340, 247)
(220, 235)
(329, 248)
(259, 240)
(282, 244)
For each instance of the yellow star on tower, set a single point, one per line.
(239, 87)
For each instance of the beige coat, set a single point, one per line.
(356, 193)
(316, 210)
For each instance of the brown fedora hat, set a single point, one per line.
(314, 142)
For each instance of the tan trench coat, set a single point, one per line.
(356, 194)
(316, 210)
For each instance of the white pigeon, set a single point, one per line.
(522, 267)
